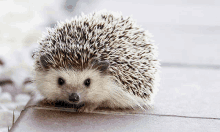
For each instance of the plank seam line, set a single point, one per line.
(120, 113)
(211, 118)
(185, 65)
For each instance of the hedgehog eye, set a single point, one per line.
(61, 81)
(87, 82)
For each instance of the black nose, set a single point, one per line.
(74, 97)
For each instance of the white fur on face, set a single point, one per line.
(102, 90)
(47, 83)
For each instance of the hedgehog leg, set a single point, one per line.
(88, 107)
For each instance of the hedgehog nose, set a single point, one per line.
(74, 97)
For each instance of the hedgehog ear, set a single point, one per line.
(94, 61)
(45, 61)
(103, 65)
(100, 65)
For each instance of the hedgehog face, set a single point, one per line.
(72, 86)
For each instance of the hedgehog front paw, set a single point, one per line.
(87, 108)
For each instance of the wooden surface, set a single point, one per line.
(38, 120)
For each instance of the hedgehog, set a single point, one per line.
(99, 60)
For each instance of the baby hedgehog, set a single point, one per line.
(98, 60)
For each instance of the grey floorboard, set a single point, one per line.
(188, 92)
(35, 120)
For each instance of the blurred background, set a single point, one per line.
(185, 31)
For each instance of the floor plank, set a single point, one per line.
(188, 92)
(35, 120)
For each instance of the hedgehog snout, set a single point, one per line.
(74, 97)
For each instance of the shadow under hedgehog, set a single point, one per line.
(98, 60)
